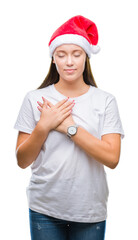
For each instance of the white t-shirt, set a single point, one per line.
(66, 183)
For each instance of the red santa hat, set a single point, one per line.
(77, 30)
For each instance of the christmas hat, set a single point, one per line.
(77, 30)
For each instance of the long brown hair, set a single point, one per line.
(53, 76)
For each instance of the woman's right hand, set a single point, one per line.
(53, 115)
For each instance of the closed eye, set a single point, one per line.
(61, 56)
(76, 55)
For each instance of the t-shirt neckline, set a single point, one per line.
(62, 96)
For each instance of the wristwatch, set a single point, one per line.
(72, 130)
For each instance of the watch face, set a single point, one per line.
(72, 130)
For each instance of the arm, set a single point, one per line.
(29, 146)
(105, 151)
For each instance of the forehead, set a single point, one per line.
(69, 48)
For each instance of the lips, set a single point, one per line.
(70, 70)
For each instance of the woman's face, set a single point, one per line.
(70, 61)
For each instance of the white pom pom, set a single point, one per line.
(95, 49)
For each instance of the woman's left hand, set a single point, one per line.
(65, 124)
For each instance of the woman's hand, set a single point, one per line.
(65, 124)
(58, 116)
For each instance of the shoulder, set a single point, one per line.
(102, 96)
(38, 93)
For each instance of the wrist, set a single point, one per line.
(72, 130)
(44, 129)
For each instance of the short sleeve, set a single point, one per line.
(112, 122)
(25, 121)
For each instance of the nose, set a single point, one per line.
(69, 60)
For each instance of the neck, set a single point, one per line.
(70, 88)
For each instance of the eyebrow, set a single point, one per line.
(63, 51)
(60, 51)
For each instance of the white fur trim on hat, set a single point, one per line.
(73, 39)
(95, 49)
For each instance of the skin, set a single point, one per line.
(70, 64)
(70, 61)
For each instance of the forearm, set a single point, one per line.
(100, 150)
(28, 151)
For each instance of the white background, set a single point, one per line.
(25, 28)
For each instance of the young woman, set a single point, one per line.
(68, 130)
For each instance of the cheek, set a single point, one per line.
(82, 66)
(58, 66)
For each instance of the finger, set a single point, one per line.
(61, 102)
(66, 115)
(66, 104)
(68, 108)
(40, 104)
(39, 108)
(66, 112)
(44, 102)
(48, 102)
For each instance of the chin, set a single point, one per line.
(71, 78)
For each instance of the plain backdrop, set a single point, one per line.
(25, 29)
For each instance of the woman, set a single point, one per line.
(68, 130)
